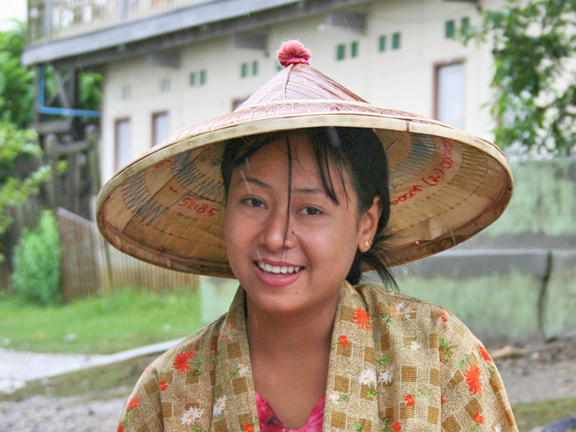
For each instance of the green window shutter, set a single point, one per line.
(202, 77)
(465, 26)
(255, 68)
(382, 44)
(244, 70)
(340, 52)
(192, 79)
(354, 49)
(396, 41)
(449, 29)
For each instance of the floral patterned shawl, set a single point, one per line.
(397, 364)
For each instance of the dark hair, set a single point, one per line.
(356, 150)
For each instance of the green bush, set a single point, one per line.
(36, 274)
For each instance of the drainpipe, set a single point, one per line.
(58, 111)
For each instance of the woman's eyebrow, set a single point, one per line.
(310, 191)
(254, 181)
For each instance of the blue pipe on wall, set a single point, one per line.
(59, 111)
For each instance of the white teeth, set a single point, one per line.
(278, 269)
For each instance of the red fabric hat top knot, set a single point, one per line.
(293, 51)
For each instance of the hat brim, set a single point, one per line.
(167, 207)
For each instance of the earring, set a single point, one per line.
(368, 244)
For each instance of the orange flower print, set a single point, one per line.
(132, 403)
(362, 318)
(163, 386)
(248, 428)
(473, 379)
(409, 399)
(478, 418)
(396, 426)
(443, 317)
(181, 360)
(484, 353)
(442, 399)
(120, 428)
(343, 340)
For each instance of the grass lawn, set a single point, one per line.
(121, 320)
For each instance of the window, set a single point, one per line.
(465, 26)
(165, 85)
(126, 91)
(122, 150)
(382, 44)
(244, 70)
(449, 97)
(198, 78)
(396, 41)
(340, 52)
(449, 29)
(254, 68)
(354, 49)
(159, 127)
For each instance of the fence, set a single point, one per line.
(56, 19)
(91, 267)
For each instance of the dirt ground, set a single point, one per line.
(529, 373)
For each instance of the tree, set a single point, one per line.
(18, 149)
(17, 82)
(534, 46)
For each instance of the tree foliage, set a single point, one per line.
(18, 148)
(534, 47)
(36, 273)
(16, 81)
(17, 90)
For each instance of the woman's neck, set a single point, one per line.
(275, 334)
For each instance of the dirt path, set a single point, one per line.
(537, 373)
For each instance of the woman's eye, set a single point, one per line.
(310, 211)
(254, 202)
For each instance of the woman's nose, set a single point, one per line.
(277, 233)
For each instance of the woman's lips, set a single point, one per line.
(277, 275)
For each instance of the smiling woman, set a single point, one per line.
(306, 184)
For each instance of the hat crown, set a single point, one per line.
(298, 81)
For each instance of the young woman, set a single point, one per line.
(296, 194)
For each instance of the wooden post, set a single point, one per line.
(50, 147)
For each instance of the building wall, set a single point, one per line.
(399, 79)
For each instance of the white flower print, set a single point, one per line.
(404, 311)
(242, 370)
(334, 397)
(368, 377)
(387, 375)
(226, 331)
(498, 428)
(415, 346)
(192, 415)
(219, 405)
(352, 290)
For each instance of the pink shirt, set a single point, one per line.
(269, 421)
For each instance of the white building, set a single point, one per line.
(171, 63)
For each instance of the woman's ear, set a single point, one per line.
(369, 224)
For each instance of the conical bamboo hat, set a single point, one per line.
(167, 206)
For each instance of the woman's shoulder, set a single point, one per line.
(199, 344)
(379, 294)
(406, 311)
